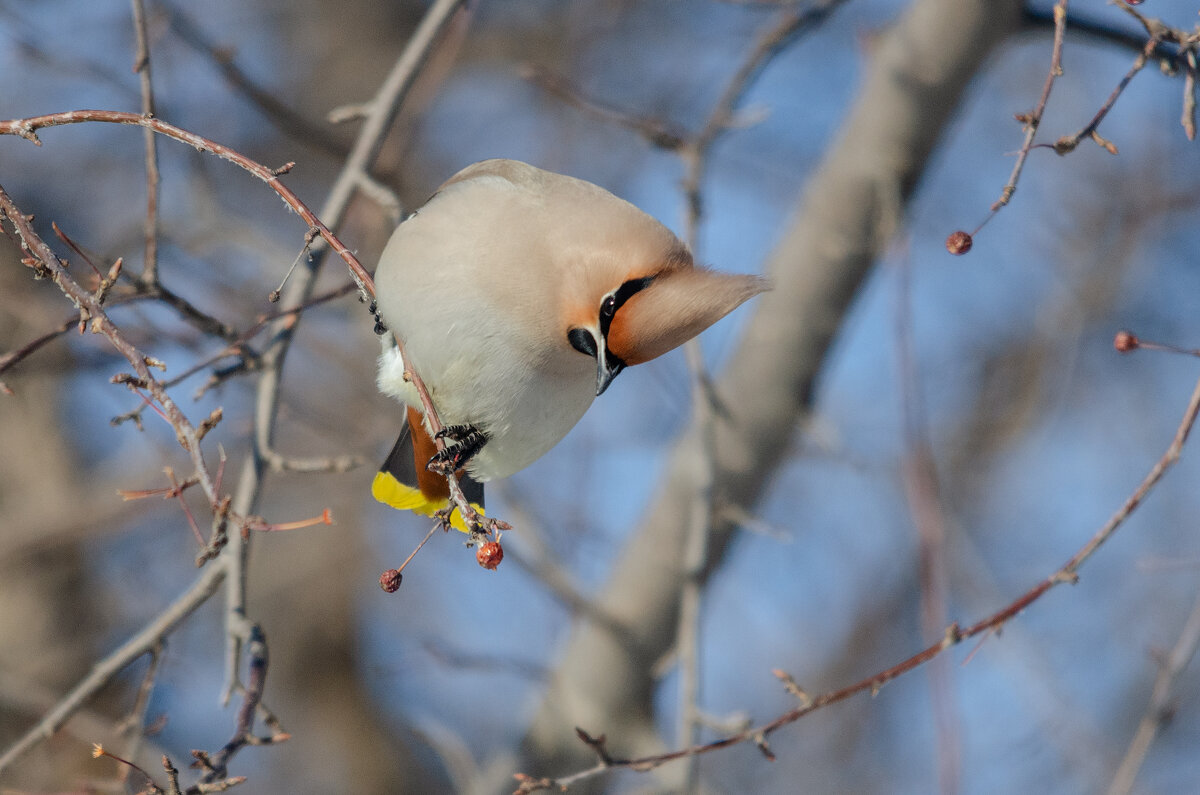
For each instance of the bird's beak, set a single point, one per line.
(607, 367)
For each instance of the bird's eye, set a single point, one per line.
(609, 307)
(582, 340)
(616, 299)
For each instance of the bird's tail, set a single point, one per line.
(405, 484)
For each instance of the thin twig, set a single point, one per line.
(696, 555)
(135, 723)
(1158, 34)
(217, 764)
(1188, 117)
(289, 121)
(1033, 120)
(695, 153)
(27, 129)
(919, 473)
(790, 24)
(659, 133)
(172, 776)
(239, 346)
(473, 519)
(141, 67)
(1080, 26)
(43, 259)
(1159, 710)
(145, 641)
(13, 357)
(188, 311)
(1068, 142)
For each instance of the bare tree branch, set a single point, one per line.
(141, 66)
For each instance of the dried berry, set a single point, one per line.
(1125, 342)
(959, 243)
(489, 555)
(390, 580)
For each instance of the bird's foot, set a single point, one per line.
(467, 441)
(373, 308)
(456, 433)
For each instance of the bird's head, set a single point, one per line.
(637, 314)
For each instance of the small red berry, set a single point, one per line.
(959, 243)
(489, 555)
(1125, 342)
(390, 580)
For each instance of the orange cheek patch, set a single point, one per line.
(623, 342)
(581, 320)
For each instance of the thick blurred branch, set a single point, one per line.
(289, 121)
(851, 208)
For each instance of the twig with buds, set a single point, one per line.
(1159, 34)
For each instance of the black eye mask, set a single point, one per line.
(616, 299)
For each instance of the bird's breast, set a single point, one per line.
(523, 397)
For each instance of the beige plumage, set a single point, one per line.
(519, 295)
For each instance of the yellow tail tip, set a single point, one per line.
(391, 492)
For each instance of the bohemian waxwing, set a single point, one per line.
(519, 294)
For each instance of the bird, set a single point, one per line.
(518, 295)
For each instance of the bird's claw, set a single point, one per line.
(455, 433)
(467, 441)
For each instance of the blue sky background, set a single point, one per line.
(1013, 342)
